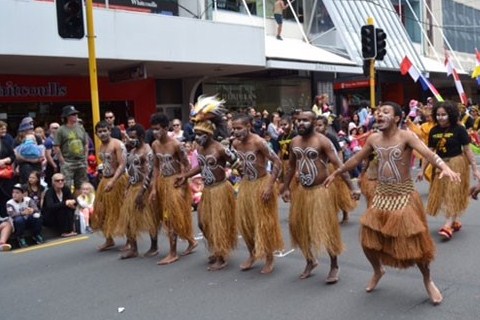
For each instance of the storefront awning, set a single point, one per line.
(299, 55)
(349, 16)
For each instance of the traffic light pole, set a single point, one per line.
(92, 68)
(370, 21)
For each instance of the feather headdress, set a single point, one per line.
(208, 108)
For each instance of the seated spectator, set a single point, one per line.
(6, 229)
(25, 215)
(85, 205)
(59, 207)
(34, 188)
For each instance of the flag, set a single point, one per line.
(407, 67)
(458, 84)
(476, 71)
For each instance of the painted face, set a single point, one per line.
(103, 134)
(158, 131)
(304, 124)
(240, 130)
(442, 117)
(201, 138)
(133, 141)
(385, 117)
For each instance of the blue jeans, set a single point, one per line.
(29, 222)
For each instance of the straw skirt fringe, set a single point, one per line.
(395, 227)
(367, 187)
(258, 220)
(176, 206)
(132, 221)
(340, 190)
(449, 197)
(217, 218)
(313, 222)
(107, 206)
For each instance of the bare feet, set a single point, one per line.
(151, 252)
(129, 254)
(375, 278)
(248, 264)
(268, 268)
(218, 265)
(333, 276)
(212, 259)
(191, 247)
(107, 245)
(345, 218)
(308, 269)
(126, 247)
(168, 260)
(433, 292)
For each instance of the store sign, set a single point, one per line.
(351, 84)
(50, 89)
(237, 96)
(168, 7)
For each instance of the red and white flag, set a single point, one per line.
(458, 84)
(407, 67)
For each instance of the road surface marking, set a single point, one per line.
(281, 254)
(50, 244)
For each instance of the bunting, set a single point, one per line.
(458, 84)
(407, 67)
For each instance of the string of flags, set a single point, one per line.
(407, 67)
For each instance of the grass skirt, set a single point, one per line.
(258, 220)
(368, 181)
(107, 206)
(217, 218)
(449, 197)
(313, 222)
(395, 226)
(340, 190)
(176, 206)
(132, 221)
(367, 187)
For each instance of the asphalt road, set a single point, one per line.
(73, 281)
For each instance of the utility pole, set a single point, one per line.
(92, 68)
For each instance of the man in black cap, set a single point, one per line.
(71, 146)
(25, 214)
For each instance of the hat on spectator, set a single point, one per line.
(68, 111)
(351, 126)
(26, 124)
(18, 186)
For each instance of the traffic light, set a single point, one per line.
(368, 42)
(70, 19)
(381, 42)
